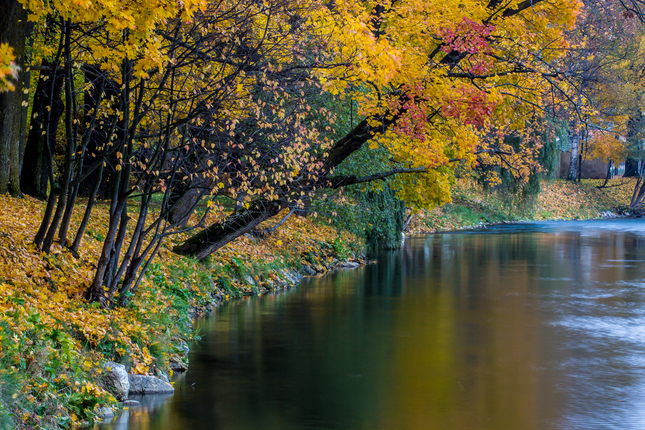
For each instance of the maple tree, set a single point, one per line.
(191, 119)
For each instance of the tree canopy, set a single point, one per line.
(175, 101)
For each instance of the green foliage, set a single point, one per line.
(553, 139)
(376, 215)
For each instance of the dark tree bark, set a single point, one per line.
(240, 222)
(47, 110)
(70, 146)
(184, 199)
(13, 30)
(100, 89)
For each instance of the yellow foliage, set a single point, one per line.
(8, 69)
(607, 146)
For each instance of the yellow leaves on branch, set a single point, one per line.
(8, 69)
(131, 21)
(394, 48)
(607, 146)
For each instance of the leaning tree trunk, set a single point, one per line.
(243, 220)
(13, 30)
(240, 222)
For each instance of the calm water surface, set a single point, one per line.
(532, 326)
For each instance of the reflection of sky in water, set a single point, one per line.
(589, 228)
(604, 327)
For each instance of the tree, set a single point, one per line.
(217, 99)
(13, 28)
(428, 91)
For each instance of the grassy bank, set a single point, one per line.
(473, 206)
(53, 343)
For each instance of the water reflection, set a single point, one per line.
(537, 326)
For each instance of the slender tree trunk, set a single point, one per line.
(96, 292)
(575, 146)
(70, 147)
(13, 30)
(87, 214)
(99, 88)
(49, 210)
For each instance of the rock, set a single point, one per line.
(104, 412)
(131, 403)
(309, 271)
(182, 347)
(116, 380)
(143, 384)
(249, 280)
(178, 365)
(295, 276)
(608, 215)
(286, 276)
(163, 376)
(348, 265)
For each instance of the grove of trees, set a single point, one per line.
(162, 104)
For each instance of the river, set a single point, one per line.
(513, 327)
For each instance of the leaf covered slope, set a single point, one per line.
(53, 343)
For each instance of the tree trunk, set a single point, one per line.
(47, 110)
(13, 30)
(242, 220)
(184, 199)
(216, 236)
(70, 146)
(98, 88)
(87, 214)
(575, 146)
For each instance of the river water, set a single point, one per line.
(515, 327)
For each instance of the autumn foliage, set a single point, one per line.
(55, 342)
(8, 68)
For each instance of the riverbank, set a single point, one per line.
(53, 344)
(473, 206)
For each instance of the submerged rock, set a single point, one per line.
(144, 384)
(309, 271)
(115, 380)
(178, 365)
(348, 265)
(104, 412)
